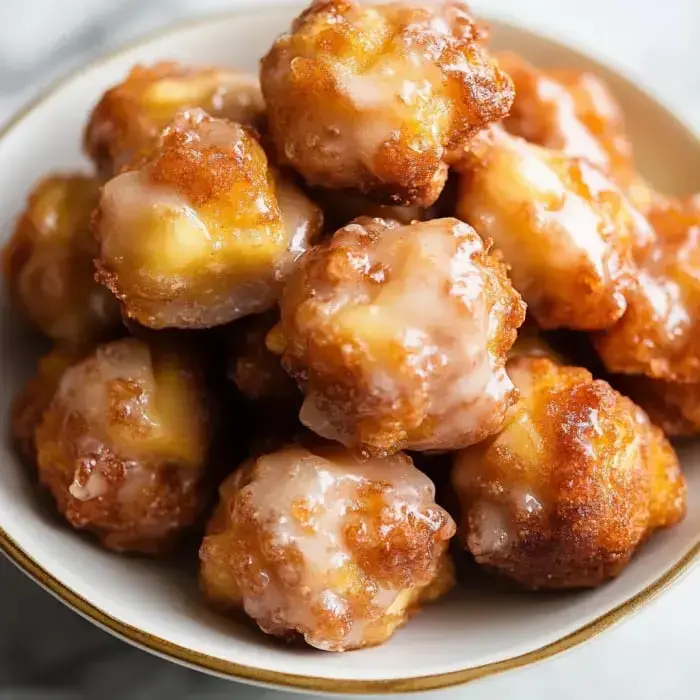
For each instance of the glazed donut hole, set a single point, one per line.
(130, 116)
(398, 336)
(381, 99)
(316, 543)
(566, 230)
(658, 337)
(48, 262)
(203, 231)
(577, 479)
(123, 445)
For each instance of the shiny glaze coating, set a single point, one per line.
(398, 336)
(659, 335)
(562, 497)
(129, 117)
(565, 229)
(317, 543)
(203, 231)
(381, 98)
(122, 446)
(574, 112)
(48, 262)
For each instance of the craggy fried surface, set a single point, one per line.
(381, 98)
(659, 335)
(563, 496)
(319, 544)
(130, 116)
(123, 445)
(203, 231)
(275, 253)
(565, 229)
(48, 262)
(398, 336)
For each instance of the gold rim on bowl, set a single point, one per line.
(197, 660)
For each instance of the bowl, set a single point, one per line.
(471, 633)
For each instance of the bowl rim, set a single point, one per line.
(250, 674)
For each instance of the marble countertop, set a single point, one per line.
(48, 651)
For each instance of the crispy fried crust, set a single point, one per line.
(202, 231)
(398, 336)
(48, 262)
(565, 229)
(123, 445)
(314, 542)
(128, 119)
(563, 496)
(381, 98)
(659, 336)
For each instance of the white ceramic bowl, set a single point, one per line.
(472, 633)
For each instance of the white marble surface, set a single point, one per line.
(47, 651)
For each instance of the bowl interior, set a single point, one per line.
(470, 628)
